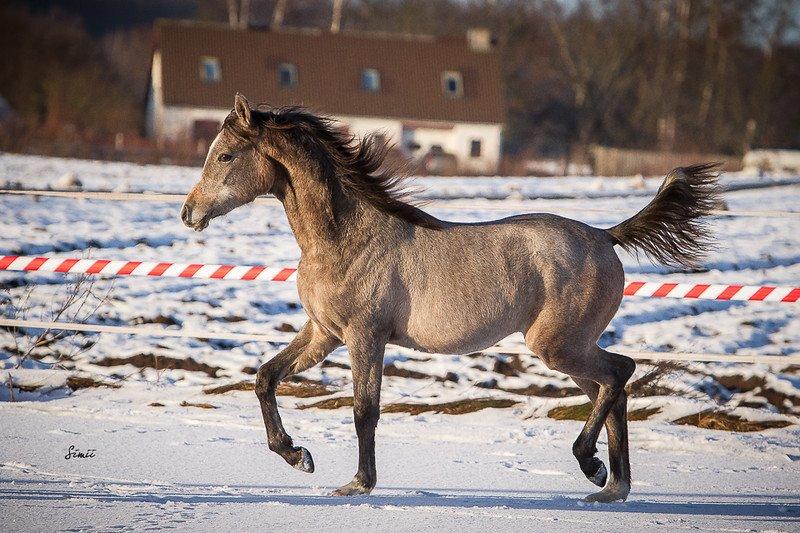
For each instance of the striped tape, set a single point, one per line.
(106, 267)
(701, 291)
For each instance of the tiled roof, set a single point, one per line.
(329, 67)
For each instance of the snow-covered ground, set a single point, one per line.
(510, 468)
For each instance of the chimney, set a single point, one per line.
(480, 39)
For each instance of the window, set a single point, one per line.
(370, 80)
(452, 85)
(209, 69)
(475, 148)
(287, 75)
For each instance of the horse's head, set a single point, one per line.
(234, 173)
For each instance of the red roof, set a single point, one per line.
(329, 67)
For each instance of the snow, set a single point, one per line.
(511, 469)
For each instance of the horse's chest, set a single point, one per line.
(323, 300)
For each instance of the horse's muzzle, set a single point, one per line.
(187, 212)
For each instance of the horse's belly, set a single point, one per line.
(456, 329)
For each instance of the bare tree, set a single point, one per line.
(336, 17)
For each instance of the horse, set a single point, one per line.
(375, 269)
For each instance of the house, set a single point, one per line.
(430, 96)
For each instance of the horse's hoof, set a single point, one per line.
(599, 478)
(595, 471)
(612, 493)
(305, 463)
(353, 488)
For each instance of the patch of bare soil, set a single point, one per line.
(299, 389)
(286, 328)
(155, 404)
(158, 319)
(509, 365)
(334, 364)
(720, 420)
(201, 405)
(758, 386)
(458, 407)
(160, 362)
(86, 382)
(393, 370)
(581, 412)
(547, 391)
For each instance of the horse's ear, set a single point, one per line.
(242, 108)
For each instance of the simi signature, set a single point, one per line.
(74, 453)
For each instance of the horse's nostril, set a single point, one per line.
(186, 213)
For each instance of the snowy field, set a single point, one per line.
(167, 454)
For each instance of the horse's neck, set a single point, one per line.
(329, 224)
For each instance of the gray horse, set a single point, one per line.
(374, 270)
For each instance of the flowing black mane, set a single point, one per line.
(355, 164)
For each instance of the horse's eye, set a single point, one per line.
(224, 158)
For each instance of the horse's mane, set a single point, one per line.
(357, 165)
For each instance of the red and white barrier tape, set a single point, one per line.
(701, 291)
(146, 268)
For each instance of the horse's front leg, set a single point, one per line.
(366, 358)
(308, 348)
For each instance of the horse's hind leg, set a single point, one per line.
(308, 348)
(619, 484)
(610, 372)
(366, 357)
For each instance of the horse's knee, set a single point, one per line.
(267, 379)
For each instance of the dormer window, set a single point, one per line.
(209, 69)
(370, 80)
(452, 85)
(287, 75)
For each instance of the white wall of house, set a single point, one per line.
(176, 123)
(455, 138)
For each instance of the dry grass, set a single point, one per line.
(581, 412)
(300, 389)
(650, 384)
(330, 403)
(720, 420)
(201, 405)
(458, 407)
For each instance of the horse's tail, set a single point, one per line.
(670, 229)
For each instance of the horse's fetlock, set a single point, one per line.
(627, 368)
(581, 451)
